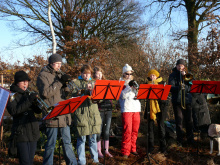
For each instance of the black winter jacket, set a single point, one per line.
(174, 80)
(200, 110)
(25, 124)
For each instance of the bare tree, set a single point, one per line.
(76, 22)
(199, 13)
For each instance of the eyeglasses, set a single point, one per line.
(128, 73)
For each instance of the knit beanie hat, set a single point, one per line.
(21, 76)
(180, 61)
(54, 58)
(153, 71)
(127, 68)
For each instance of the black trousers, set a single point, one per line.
(106, 124)
(26, 152)
(161, 116)
(183, 115)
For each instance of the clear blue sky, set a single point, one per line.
(9, 52)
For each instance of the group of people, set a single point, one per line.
(92, 120)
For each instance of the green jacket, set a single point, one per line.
(86, 118)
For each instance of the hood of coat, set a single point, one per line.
(49, 69)
(175, 70)
(80, 78)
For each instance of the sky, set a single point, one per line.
(10, 53)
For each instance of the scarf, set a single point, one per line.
(154, 106)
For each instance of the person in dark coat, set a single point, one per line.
(175, 80)
(25, 126)
(156, 109)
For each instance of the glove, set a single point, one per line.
(131, 83)
(64, 79)
(33, 96)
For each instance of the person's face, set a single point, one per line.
(23, 85)
(128, 75)
(98, 75)
(86, 75)
(56, 66)
(180, 67)
(153, 77)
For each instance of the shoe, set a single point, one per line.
(100, 155)
(108, 154)
(125, 156)
(107, 148)
(163, 150)
(179, 144)
(135, 153)
(150, 149)
(191, 141)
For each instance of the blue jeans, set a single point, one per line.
(81, 149)
(67, 146)
(106, 123)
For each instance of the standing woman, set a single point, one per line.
(25, 126)
(105, 109)
(86, 118)
(157, 109)
(130, 112)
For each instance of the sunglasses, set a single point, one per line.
(128, 73)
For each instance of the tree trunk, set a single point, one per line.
(192, 35)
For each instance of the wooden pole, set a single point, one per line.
(2, 80)
(1, 135)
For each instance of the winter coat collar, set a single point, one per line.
(49, 69)
(15, 88)
(157, 81)
(80, 78)
(175, 70)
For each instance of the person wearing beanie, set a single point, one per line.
(52, 87)
(86, 119)
(54, 58)
(130, 113)
(105, 109)
(158, 110)
(181, 113)
(25, 128)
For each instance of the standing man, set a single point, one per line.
(51, 84)
(175, 79)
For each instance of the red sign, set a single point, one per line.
(66, 106)
(152, 91)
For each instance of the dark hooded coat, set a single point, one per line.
(25, 124)
(175, 80)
